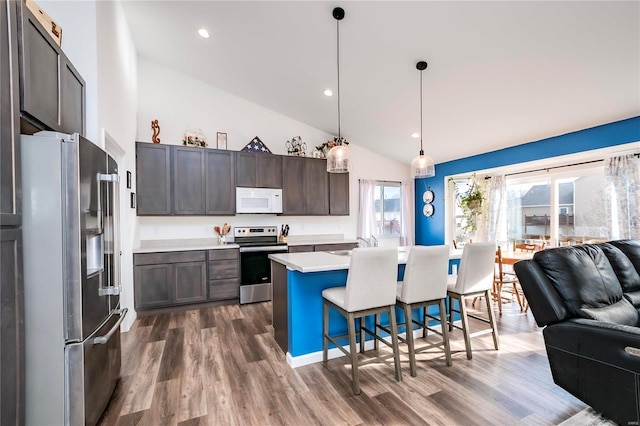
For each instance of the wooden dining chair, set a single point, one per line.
(507, 282)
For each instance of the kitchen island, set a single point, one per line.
(298, 280)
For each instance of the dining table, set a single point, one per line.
(511, 257)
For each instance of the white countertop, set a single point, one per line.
(326, 261)
(319, 261)
(152, 246)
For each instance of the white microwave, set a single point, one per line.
(258, 200)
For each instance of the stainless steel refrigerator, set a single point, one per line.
(71, 278)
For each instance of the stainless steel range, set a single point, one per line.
(256, 243)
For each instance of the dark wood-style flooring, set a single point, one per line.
(221, 366)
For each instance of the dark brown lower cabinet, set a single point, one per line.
(321, 247)
(224, 274)
(190, 282)
(169, 278)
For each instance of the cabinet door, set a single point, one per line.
(269, 173)
(316, 186)
(293, 188)
(220, 182)
(72, 105)
(153, 286)
(224, 289)
(339, 194)
(301, 249)
(190, 280)
(40, 62)
(153, 179)
(11, 326)
(188, 181)
(10, 203)
(335, 247)
(246, 170)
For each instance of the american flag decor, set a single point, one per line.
(256, 145)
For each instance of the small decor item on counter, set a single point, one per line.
(222, 233)
(156, 131)
(194, 138)
(256, 145)
(324, 148)
(296, 146)
(222, 140)
(284, 233)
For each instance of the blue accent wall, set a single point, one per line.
(430, 231)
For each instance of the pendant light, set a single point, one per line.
(338, 156)
(422, 166)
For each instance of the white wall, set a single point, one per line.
(117, 105)
(180, 102)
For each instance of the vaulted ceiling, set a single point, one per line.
(500, 73)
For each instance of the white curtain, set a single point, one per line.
(367, 214)
(408, 209)
(492, 223)
(623, 173)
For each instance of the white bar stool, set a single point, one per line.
(424, 284)
(474, 279)
(370, 289)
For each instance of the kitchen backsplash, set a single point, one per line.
(176, 227)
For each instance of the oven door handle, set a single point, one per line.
(263, 248)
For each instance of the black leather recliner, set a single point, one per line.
(588, 297)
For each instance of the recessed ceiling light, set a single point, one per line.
(203, 33)
(415, 135)
(328, 92)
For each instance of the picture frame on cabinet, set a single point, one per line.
(222, 140)
(128, 179)
(133, 200)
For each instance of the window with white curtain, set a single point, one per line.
(386, 210)
(565, 205)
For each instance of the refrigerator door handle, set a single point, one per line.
(110, 291)
(101, 340)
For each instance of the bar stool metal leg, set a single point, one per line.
(492, 321)
(445, 332)
(409, 337)
(394, 341)
(353, 354)
(465, 326)
(325, 330)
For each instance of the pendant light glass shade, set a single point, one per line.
(338, 156)
(338, 159)
(422, 166)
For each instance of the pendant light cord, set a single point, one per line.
(338, 61)
(421, 150)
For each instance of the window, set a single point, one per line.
(581, 200)
(560, 206)
(388, 205)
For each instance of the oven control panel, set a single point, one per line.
(255, 231)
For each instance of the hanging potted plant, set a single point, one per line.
(471, 202)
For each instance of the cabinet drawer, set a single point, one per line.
(332, 247)
(168, 257)
(224, 289)
(300, 249)
(222, 254)
(219, 269)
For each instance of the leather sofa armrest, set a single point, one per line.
(614, 344)
(544, 300)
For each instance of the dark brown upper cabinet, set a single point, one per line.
(258, 170)
(52, 92)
